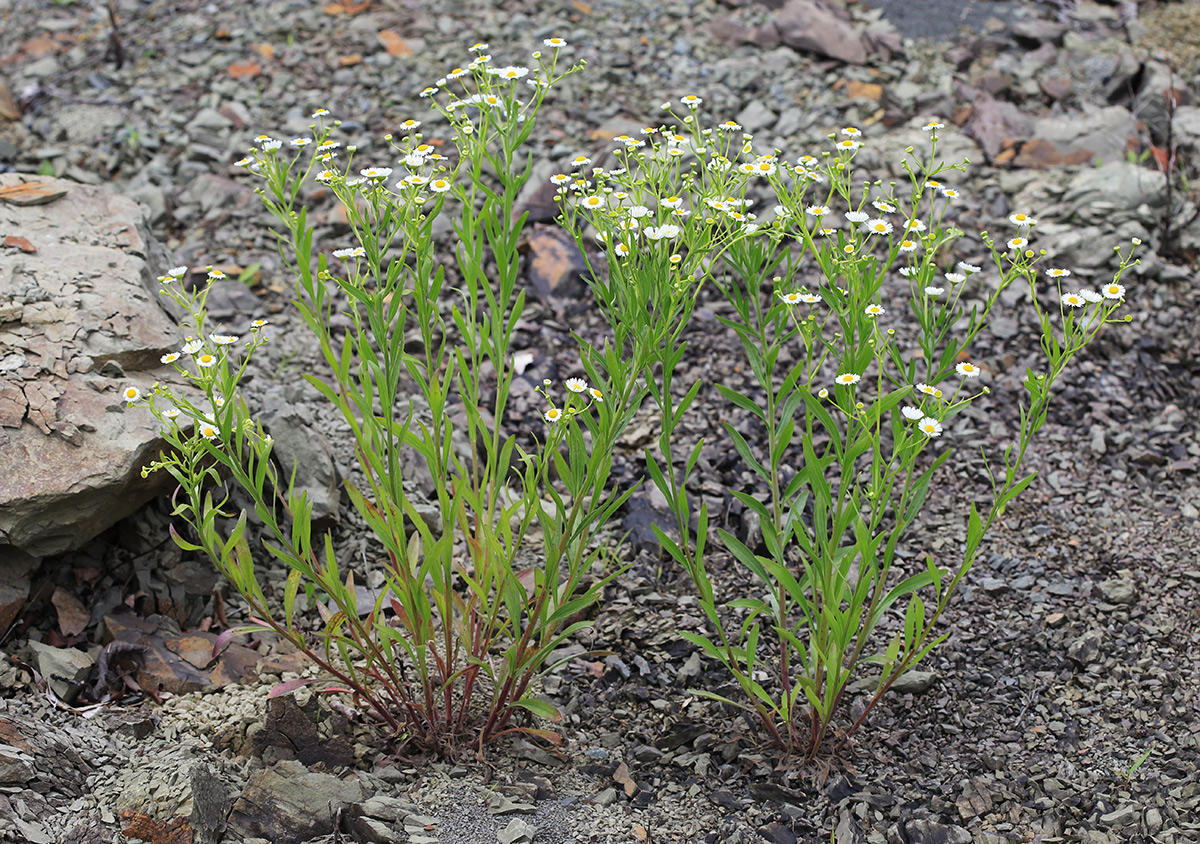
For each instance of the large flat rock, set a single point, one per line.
(79, 320)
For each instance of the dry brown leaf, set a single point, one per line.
(347, 7)
(245, 70)
(20, 243)
(350, 60)
(582, 7)
(73, 616)
(174, 831)
(39, 47)
(639, 832)
(31, 193)
(394, 43)
(9, 110)
(621, 777)
(867, 90)
(267, 51)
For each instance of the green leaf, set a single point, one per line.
(705, 645)
(289, 596)
(904, 587)
(744, 555)
(743, 449)
(540, 708)
(744, 402)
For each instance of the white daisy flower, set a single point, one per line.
(206, 360)
(879, 226)
(1073, 300)
(874, 310)
(1113, 291)
(554, 42)
(967, 268)
(1018, 243)
(955, 278)
(192, 346)
(576, 385)
(911, 413)
(932, 126)
(856, 217)
(1057, 273)
(553, 415)
(509, 72)
(817, 210)
(691, 101)
(1020, 219)
(967, 370)
(908, 246)
(223, 339)
(848, 378)
(131, 394)
(884, 207)
(1090, 296)
(170, 358)
(934, 291)
(661, 232)
(930, 427)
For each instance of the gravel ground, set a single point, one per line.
(1074, 647)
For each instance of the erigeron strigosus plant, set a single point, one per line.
(849, 424)
(467, 610)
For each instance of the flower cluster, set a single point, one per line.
(580, 397)
(206, 361)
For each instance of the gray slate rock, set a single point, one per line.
(16, 569)
(81, 321)
(1086, 649)
(1118, 591)
(517, 832)
(914, 682)
(63, 668)
(299, 444)
(816, 27)
(927, 832)
(288, 804)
